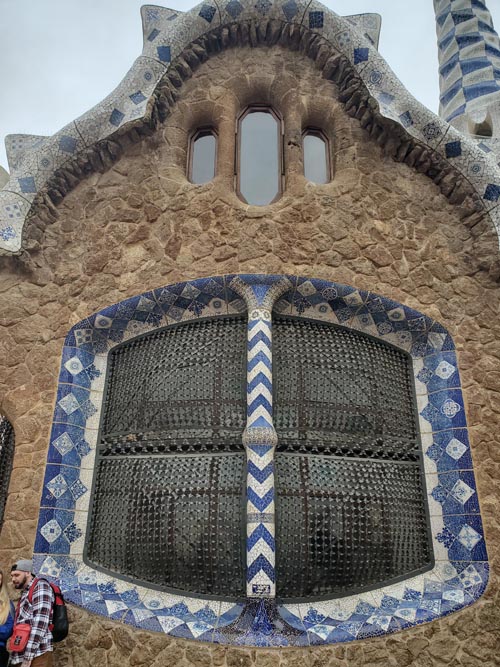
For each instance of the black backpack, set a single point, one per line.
(60, 624)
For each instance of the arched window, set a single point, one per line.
(259, 163)
(202, 155)
(6, 458)
(316, 156)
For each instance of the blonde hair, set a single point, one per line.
(4, 601)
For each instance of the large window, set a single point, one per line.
(170, 478)
(244, 452)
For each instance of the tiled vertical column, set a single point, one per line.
(469, 60)
(259, 438)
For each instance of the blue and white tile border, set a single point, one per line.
(33, 160)
(461, 571)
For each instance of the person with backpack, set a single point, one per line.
(6, 621)
(31, 641)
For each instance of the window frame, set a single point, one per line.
(321, 134)
(262, 108)
(199, 133)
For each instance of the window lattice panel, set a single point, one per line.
(6, 458)
(350, 496)
(346, 524)
(175, 521)
(183, 386)
(341, 392)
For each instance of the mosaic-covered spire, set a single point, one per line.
(469, 66)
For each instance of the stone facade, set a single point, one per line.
(379, 225)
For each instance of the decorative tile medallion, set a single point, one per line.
(460, 571)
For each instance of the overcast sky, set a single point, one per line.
(60, 57)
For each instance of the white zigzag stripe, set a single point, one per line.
(252, 508)
(259, 412)
(253, 525)
(261, 461)
(260, 390)
(260, 368)
(259, 349)
(259, 325)
(258, 488)
(260, 548)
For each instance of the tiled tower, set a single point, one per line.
(469, 67)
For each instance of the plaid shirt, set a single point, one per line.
(38, 614)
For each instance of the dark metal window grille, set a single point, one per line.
(351, 509)
(168, 505)
(6, 459)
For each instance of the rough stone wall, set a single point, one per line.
(378, 225)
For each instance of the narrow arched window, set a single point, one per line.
(6, 457)
(316, 156)
(259, 163)
(202, 154)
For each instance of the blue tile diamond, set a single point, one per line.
(27, 184)
(116, 117)
(406, 119)
(492, 192)
(164, 53)
(67, 144)
(316, 20)
(360, 55)
(137, 97)
(290, 9)
(453, 149)
(207, 12)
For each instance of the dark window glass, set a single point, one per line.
(259, 157)
(168, 500)
(351, 509)
(316, 162)
(203, 151)
(6, 458)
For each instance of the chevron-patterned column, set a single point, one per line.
(259, 438)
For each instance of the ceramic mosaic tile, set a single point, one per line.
(235, 11)
(469, 57)
(368, 25)
(460, 573)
